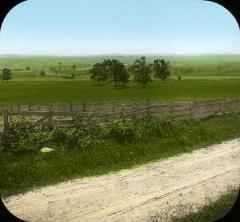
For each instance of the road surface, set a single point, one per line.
(131, 195)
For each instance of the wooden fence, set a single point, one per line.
(65, 114)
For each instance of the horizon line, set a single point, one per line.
(114, 55)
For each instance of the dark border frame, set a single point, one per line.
(232, 6)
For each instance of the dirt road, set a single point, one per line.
(131, 195)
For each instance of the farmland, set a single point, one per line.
(203, 78)
(78, 91)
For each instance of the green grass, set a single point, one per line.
(23, 172)
(212, 211)
(210, 77)
(42, 92)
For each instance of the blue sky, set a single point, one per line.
(129, 27)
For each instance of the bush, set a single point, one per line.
(85, 133)
(130, 130)
(123, 131)
(24, 136)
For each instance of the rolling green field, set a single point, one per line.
(200, 65)
(42, 92)
(203, 78)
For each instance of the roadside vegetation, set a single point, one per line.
(90, 149)
(211, 211)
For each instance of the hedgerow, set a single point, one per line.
(86, 132)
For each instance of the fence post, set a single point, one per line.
(29, 107)
(50, 113)
(113, 107)
(58, 107)
(222, 106)
(191, 109)
(84, 106)
(18, 108)
(5, 120)
(122, 111)
(148, 108)
(170, 106)
(71, 106)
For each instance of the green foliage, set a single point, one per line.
(161, 69)
(6, 74)
(141, 71)
(99, 72)
(23, 171)
(212, 211)
(135, 131)
(24, 136)
(42, 72)
(111, 70)
(86, 132)
(118, 73)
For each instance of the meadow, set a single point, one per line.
(203, 78)
(43, 92)
(201, 65)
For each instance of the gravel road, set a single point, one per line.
(131, 195)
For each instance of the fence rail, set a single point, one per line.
(65, 114)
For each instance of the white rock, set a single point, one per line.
(46, 150)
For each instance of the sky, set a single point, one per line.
(119, 27)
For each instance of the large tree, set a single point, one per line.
(141, 71)
(6, 74)
(118, 73)
(99, 72)
(110, 70)
(161, 69)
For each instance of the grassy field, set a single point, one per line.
(42, 92)
(21, 172)
(203, 78)
(199, 65)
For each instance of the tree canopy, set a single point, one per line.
(115, 71)
(110, 70)
(118, 73)
(6, 74)
(98, 72)
(141, 71)
(161, 69)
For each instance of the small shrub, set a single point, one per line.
(86, 132)
(130, 130)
